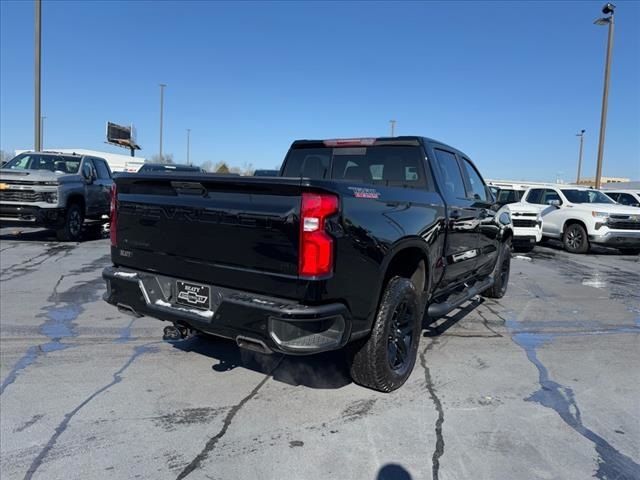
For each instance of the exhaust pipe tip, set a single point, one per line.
(128, 310)
(253, 344)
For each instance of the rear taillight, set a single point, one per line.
(316, 245)
(113, 216)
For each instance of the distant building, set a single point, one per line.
(591, 181)
(117, 162)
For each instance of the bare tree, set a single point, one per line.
(208, 166)
(166, 158)
(4, 157)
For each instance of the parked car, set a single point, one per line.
(350, 247)
(624, 197)
(169, 167)
(581, 216)
(526, 219)
(55, 191)
(266, 173)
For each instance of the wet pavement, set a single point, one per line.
(543, 384)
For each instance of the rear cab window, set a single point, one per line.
(388, 165)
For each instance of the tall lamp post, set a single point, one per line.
(42, 119)
(37, 137)
(188, 139)
(162, 85)
(581, 135)
(607, 10)
(393, 127)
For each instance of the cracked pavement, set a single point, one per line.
(541, 384)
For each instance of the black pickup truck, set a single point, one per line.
(352, 245)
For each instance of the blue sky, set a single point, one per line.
(509, 83)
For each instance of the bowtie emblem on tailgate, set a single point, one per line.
(192, 297)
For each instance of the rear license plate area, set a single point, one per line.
(193, 295)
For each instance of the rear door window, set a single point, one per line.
(101, 167)
(478, 190)
(452, 182)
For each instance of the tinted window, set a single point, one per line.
(478, 191)
(101, 167)
(550, 195)
(613, 196)
(53, 163)
(535, 196)
(156, 167)
(384, 165)
(453, 185)
(308, 162)
(627, 199)
(87, 168)
(508, 196)
(586, 196)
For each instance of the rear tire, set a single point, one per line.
(72, 228)
(385, 360)
(630, 251)
(500, 273)
(575, 239)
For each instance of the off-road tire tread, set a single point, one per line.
(368, 360)
(496, 290)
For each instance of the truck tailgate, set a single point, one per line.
(237, 232)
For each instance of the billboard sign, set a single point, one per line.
(122, 136)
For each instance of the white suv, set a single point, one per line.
(526, 219)
(580, 216)
(624, 197)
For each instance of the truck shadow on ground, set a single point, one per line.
(328, 370)
(90, 232)
(321, 371)
(436, 327)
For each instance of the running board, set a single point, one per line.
(437, 310)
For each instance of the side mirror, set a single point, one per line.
(554, 203)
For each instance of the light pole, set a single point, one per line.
(393, 127)
(162, 85)
(607, 10)
(581, 135)
(42, 119)
(188, 135)
(37, 138)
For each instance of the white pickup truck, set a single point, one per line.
(526, 219)
(580, 216)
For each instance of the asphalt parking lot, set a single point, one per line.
(543, 384)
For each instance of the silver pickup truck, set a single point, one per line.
(55, 191)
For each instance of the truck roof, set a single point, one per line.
(408, 140)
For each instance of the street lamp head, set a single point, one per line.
(602, 21)
(608, 9)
